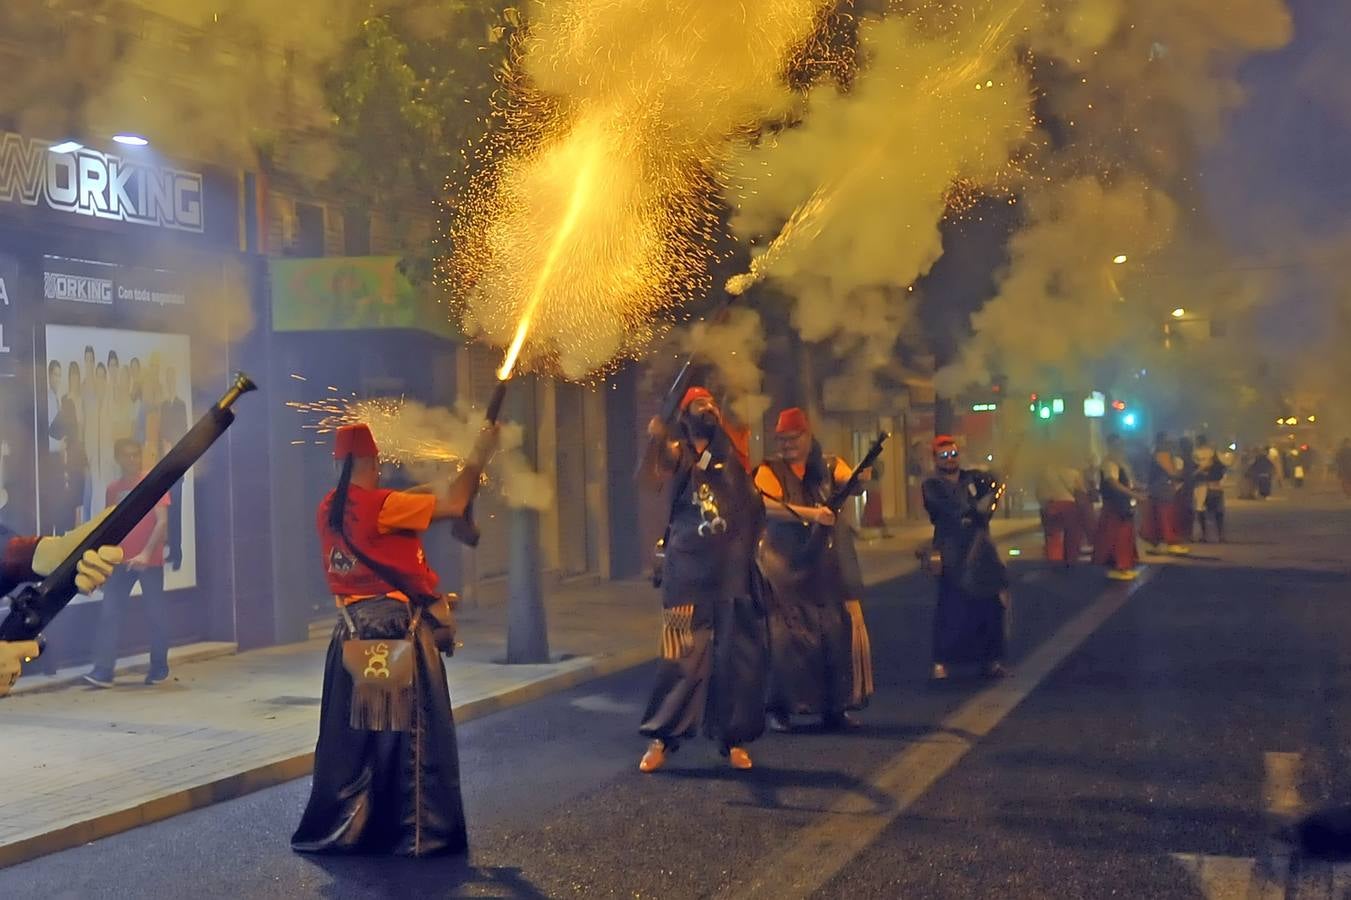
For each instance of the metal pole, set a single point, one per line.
(527, 627)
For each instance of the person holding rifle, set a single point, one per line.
(713, 646)
(386, 764)
(969, 619)
(28, 559)
(820, 661)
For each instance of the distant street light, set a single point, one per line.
(1179, 313)
(1120, 258)
(131, 140)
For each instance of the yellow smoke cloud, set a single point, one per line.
(595, 214)
(940, 106)
(1136, 90)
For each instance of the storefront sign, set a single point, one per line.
(87, 182)
(346, 293)
(106, 284)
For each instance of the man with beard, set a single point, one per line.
(972, 585)
(386, 765)
(818, 644)
(711, 674)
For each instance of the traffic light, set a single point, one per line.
(1045, 408)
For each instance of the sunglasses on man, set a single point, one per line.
(948, 454)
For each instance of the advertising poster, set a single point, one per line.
(110, 399)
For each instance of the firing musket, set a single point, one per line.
(823, 536)
(464, 529)
(33, 607)
(670, 402)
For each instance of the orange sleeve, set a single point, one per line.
(842, 471)
(768, 482)
(406, 512)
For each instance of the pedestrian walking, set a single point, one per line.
(1062, 495)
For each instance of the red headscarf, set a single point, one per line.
(944, 440)
(355, 440)
(694, 393)
(792, 420)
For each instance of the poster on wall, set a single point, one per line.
(110, 405)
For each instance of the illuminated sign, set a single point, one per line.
(1095, 405)
(984, 407)
(100, 185)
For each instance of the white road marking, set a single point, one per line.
(819, 852)
(1273, 876)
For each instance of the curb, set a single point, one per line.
(288, 768)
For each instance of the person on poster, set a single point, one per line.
(53, 487)
(143, 550)
(386, 764)
(77, 463)
(173, 425)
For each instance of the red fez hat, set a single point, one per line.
(944, 440)
(355, 440)
(694, 393)
(792, 419)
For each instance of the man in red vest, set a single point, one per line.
(820, 656)
(386, 766)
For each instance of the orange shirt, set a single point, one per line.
(768, 482)
(401, 511)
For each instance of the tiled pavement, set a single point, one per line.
(81, 763)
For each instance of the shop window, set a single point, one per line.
(309, 240)
(356, 233)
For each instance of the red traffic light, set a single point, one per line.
(1118, 405)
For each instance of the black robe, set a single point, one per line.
(810, 632)
(712, 673)
(969, 617)
(392, 792)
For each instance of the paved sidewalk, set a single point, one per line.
(82, 763)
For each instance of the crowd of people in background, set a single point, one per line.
(1169, 495)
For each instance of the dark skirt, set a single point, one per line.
(967, 628)
(718, 686)
(811, 655)
(393, 792)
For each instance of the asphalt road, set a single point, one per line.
(1170, 720)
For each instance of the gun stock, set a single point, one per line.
(33, 607)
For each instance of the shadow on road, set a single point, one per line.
(398, 878)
